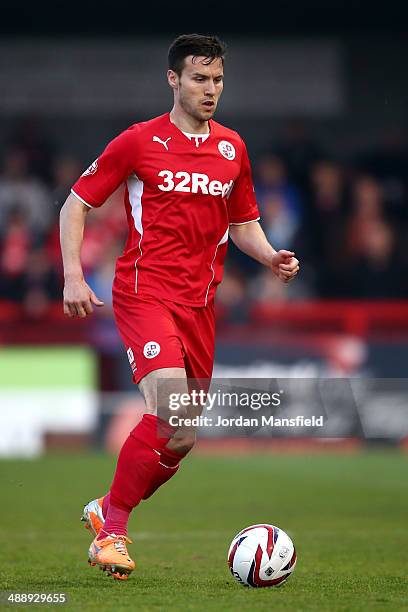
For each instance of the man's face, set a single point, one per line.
(199, 87)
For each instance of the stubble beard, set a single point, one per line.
(193, 111)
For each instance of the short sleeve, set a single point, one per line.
(108, 171)
(242, 206)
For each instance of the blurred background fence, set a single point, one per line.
(323, 112)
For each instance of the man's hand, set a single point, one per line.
(250, 239)
(79, 299)
(285, 265)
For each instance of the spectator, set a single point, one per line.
(41, 284)
(374, 267)
(18, 188)
(102, 275)
(368, 206)
(14, 254)
(299, 150)
(375, 270)
(232, 296)
(66, 170)
(279, 202)
(322, 235)
(29, 136)
(389, 163)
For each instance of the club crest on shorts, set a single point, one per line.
(151, 349)
(92, 169)
(226, 149)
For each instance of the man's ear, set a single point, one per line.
(173, 79)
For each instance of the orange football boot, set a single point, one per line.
(112, 556)
(92, 516)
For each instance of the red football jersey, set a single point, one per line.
(180, 199)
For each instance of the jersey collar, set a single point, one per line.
(183, 137)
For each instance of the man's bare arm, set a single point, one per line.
(250, 239)
(78, 296)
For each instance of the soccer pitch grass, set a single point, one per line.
(346, 514)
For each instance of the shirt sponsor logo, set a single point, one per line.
(92, 169)
(151, 349)
(196, 182)
(226, 149)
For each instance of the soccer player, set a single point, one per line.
(188, 187)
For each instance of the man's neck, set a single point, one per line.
(187, 123)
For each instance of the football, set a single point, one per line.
(261, 556)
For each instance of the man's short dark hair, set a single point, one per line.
(210, 47)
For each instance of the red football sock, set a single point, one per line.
(166, 469)
(136, 464)
(116, 522)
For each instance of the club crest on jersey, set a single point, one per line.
(226, 149)
(92, 169)
(151, 349)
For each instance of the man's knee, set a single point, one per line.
(182, 442)
(160, 386)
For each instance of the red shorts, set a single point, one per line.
(162, 334)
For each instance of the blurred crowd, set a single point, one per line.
(346, 219)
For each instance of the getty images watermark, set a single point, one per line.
(240, 406)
